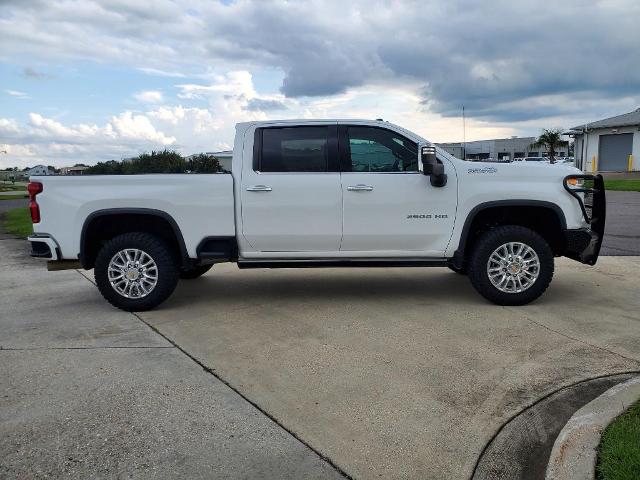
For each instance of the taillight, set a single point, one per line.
(34, 188)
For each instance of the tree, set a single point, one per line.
(111, 167)
(165, 161)
(551, 139)
(203, 163)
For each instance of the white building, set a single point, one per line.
(39, 170)
(609, 145)
(503, 149)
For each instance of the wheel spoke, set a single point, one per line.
(513, 267)
(131, 280)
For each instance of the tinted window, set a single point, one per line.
(379, 150)
(299, 149)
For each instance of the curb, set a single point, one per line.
(575, 450)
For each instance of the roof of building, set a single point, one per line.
(510, 139)
(631, 118)
(223, 153)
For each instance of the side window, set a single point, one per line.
(379, 150)
(294, 149)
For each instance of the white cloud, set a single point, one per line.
(45, 140)
(149, 96)
(191, 129)
(17, 94)
(137, 128)
(434, 46)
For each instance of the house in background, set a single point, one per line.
(38, 170)
(608, 145)
(75, 170)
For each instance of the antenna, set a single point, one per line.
(464, 136)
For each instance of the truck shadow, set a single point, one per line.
(322, 285)
(426, 286)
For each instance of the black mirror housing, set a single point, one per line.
(438, 177)
(428, 155)
(431, 167)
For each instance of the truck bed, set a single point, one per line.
(200, 204)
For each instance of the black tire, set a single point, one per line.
(194, 272)
(460, 271)
(493, 239)
(167, 271)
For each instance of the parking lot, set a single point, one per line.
(321, 373)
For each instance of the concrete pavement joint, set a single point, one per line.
(636, 360)
(238, 392)
(19, 349)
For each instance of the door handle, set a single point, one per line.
(259, 188)
(360, 188)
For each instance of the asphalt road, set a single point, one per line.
(622, 229)
(11, 204)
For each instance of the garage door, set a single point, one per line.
(614, 151)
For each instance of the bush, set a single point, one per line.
(165, 161)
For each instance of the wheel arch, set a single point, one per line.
(147, 220)
(512, 212)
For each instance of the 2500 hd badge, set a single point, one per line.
(427, 215)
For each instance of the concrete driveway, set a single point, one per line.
(87, 391)
(385, 373)
(402, 373)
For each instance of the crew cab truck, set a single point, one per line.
(330, 193)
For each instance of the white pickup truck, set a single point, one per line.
(322, 193)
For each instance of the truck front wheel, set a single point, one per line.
(136, 271)
(511, 265)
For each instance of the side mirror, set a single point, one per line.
(431, 167)
(428, 155)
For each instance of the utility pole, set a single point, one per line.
(464, 136)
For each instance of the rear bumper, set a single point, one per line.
(584, 244)
(43, 246)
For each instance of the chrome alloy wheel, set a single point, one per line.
(133, 273)
(513, 267)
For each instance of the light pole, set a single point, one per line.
(5, 152)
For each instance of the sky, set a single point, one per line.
(94, 80)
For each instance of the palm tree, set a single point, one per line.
(550, 139)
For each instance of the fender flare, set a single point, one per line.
(458, 256)
(136, 211)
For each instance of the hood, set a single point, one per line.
(518, 170)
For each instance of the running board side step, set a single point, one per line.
(330, 263)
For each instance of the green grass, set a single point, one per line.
(18, 222)
(14, 197)
(624, 185)
(620, 448)
(9, 187)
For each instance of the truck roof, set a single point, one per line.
(311, 121)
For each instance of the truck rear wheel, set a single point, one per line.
(511, 265)
(194, 272)
(136, 271)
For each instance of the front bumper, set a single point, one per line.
(584, 244)
(43, 246)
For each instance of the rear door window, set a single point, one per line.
(295, 149)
